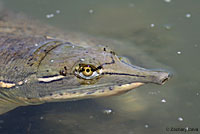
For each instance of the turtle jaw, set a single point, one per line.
(93, 92)
(101, 92)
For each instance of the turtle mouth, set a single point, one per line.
(91, 92)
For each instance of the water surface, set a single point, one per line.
(167, 31)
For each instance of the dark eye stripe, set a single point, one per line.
(110, 73)
(107, 63)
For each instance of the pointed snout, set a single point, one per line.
(160, 77)
(151, 76)
(128, 72)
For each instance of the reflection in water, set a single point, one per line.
(166, 30)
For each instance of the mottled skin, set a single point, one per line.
(43, 64)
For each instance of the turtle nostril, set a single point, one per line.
(170, 75)
(164, 80)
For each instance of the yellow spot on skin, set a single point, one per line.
(6, 85)
(49, 37)
(51, 78)
(20, 83)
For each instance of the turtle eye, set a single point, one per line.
(86, 71)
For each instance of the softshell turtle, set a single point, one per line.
(41, 64)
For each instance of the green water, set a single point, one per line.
(166, 31)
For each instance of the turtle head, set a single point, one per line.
(69, 71)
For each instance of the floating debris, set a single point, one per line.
(163, 101)
(180, 119)
(52, 61)
(167, 26)
(152, 25)
(167, 1)
(107, 111)
(146, 126)
(188, 15)
(48, 16)
(51, 15)
(186, 128)
(179, 52)
(57, 11)
(41, 118)
(36, 44)
(91, 11)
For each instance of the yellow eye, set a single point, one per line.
(87, 71)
